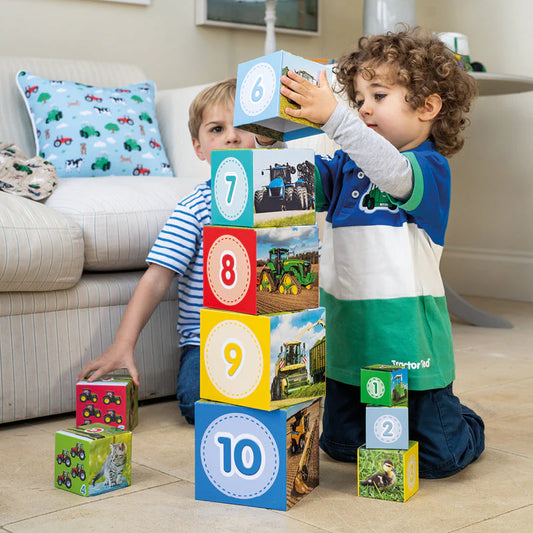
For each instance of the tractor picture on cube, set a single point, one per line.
(299, 429)
(284, 274)
(399, 389)
(64, 478)
(111, 416)
(63, 457)
(90, 410)
(282, 194)
(111, 397)
(78, 451)
(87, 395)
(290, 374)
(78, 471)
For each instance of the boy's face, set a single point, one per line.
(216, 132)
(382, 106)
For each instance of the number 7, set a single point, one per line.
(231, 179)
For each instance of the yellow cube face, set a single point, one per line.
(265, 362)
(410, 470)
(235, 358)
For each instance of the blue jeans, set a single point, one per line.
(450, 435)
(188, 388)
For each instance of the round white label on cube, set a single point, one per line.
(239, 456)
(375, 387)
(257, 89)
(230, 188)
(412, 472)
(232, 350)
(387, 429)
(228, 270)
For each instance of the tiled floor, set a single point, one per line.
(495, 494)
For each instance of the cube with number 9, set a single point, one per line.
(264, 362)
(259, 104)
(387, 474)
(262, 188)
(257, 458)
(258, 271)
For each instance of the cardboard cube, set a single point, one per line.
(387, 427)
(110, 400)
(387, 474)
(262, 188)
(258, 458)
(384, 385)
(92, 459)
(258, 271)
(264, 362)
(259, 104)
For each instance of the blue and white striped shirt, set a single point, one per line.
(180, 247)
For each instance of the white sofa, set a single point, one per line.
(69, 265)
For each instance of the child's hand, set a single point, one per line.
(112, 359)
(316, 103)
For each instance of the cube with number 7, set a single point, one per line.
(262, 188)
(258, 271)
(265, 362)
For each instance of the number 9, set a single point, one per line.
(233, 355)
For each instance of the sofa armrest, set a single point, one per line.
(40, 249)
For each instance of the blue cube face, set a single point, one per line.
(387, 427)
(240, 455)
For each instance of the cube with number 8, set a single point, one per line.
(246, 457)
(258, 271)
(259, 104)
(265, 362)
(261, 188)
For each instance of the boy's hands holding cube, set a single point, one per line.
(316, 103)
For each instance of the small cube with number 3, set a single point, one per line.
(262, 188)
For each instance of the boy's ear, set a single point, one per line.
(198, 149)
(431, 107)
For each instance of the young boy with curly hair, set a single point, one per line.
(178, 251)
(387, 197)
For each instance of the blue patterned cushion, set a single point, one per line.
(94, 131)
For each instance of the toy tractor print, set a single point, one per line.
(90, 410)
(399, 389)
(282, 194)
(110, 396)
(111, 416)
(285, 274)
(299, 429)
(78, 451)
(63, 457)
(102, 163)
(375, 198)
(78, 471)
(87, 395)
(64, 478)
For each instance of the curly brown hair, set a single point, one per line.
(423, 65)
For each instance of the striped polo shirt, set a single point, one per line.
(180, 248)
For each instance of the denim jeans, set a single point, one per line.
(188, 388)
(450, 435)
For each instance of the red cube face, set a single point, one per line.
(261, 270)
(111, 400)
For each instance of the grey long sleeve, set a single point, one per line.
(378, 158)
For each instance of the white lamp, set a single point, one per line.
(381, 16)
(270, 22)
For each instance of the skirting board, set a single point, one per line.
(501, 274)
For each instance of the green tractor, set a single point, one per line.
(399, 389)
(375, 198)
(291, 372)
(285, 274)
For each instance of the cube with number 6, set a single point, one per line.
(258, 271)
(265, 362)
(262, 188)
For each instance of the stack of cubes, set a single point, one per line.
(95, 456)
(262, 346)
(387, 464)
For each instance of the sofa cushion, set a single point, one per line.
(94, 131)
(120, 217)
(40, 249)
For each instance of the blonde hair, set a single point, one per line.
(222, 92)
(423, 65)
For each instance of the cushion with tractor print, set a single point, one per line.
(88, 131)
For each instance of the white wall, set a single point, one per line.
(489, 248)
